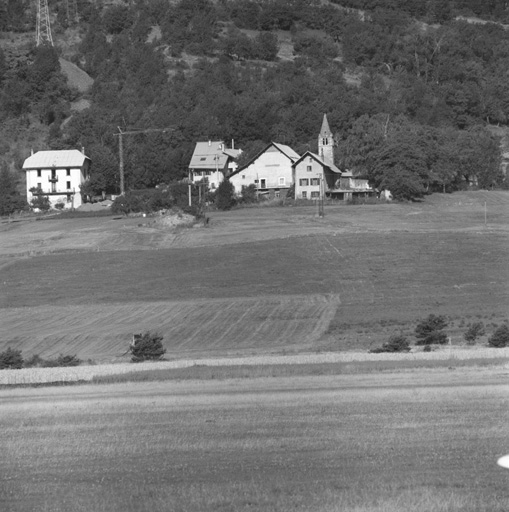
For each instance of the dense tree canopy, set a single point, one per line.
(409, 88)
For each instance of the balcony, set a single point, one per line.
(53, 179)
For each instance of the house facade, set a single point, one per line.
(317, 177)
(57, 175)
(270, 171)
(211, 162)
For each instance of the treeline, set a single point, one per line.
(423, 92)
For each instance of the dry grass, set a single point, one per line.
(257, 367)
(419, 442)
(256, 280)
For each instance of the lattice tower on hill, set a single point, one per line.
(72, 11)
(43, 25)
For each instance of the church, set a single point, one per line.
(317, 177)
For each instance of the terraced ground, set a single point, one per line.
(255, 280)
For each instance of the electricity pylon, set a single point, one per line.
(43, 31)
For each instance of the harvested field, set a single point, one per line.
(257, 279)
(421, 442)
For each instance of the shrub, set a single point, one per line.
(396, 343)
(500, 337)
(37, 361)
(39, 200)
(430, 331)
(248, 194)
(473, 332)
(147, 347)
(225, 196)
(11, 359)
(68, 360)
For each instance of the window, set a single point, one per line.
(309, 168)
(207, 173)
(281, 181)
(39, 173)
(213, 185)
(277, 194)
(303, 182)
(39, 186)
(68, 198)
(68, 172)
(315, 195)
(263, 183)
(315, 181)
(68, 185)
(243, 176)
(203, 158)
(304, 195)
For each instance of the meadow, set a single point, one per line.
(422, 441)
(256, 280)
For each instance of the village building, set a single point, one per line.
(317, 177)
(57, 175)
(211, 162)
(270, 171)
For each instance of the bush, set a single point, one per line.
(39, 201)
(396, 343)
(11, 359)
(473, 332)
(225, 196)
(430, 331)
(68, 360)
(500, 337)
(36, 361)
(147, 347)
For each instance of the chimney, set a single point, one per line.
(83, 149)
(31, 151)
(233, 144)
(210, 143)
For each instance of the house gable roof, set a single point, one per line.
(332, 167)
(286, 150)
(60, 159)
(212, 154)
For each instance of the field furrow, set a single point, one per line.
(104, 331)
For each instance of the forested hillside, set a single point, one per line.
(410, 87)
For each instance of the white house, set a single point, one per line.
(58, 175)
(211, 162)
(270, 171)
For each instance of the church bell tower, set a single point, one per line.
(326, 142)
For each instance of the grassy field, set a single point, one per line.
(421, 442)
(256, 280)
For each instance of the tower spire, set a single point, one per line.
(326, 142)
(43, 35)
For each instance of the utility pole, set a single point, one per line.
(43, 27)
(120, 136)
